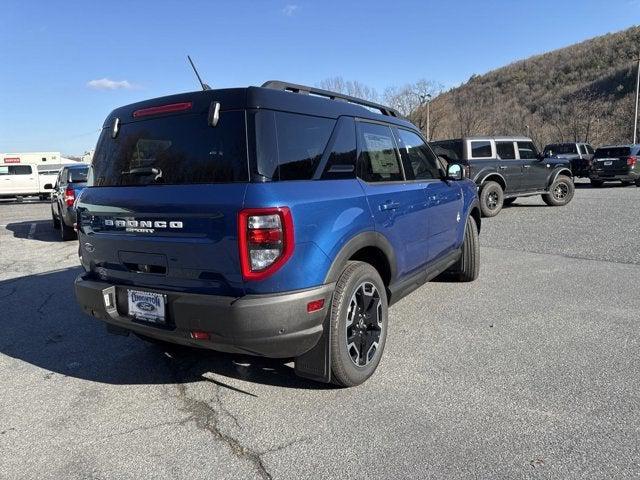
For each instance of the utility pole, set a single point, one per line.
(426, 99)
(635, 122)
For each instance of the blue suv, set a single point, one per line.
(280, 221)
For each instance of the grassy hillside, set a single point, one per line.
(584, 92)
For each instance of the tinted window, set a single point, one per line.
(505, 150)
(527, 150)
(181, 149)
(77, 175)
(19, 169)
(481, 149)
(449, 149)
(378, 157)
(560, 149)
(613, 152)
(419, 161)
(289, 146)
(589, 149)
(342, 159)
(583, 149)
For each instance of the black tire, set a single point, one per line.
(368, 324)
(560, 193)
(508, 201)
(597, 183)
(491, 199)
(66, 232)
(467, 268)
(55, 221)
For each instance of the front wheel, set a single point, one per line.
(491, 199)
(359, 313)
(560, 193)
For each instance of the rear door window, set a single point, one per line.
(481, 149)
(419, 161)
(378, 158)
(289, 146)
(505, 150)
(177, 149)
(527, 151)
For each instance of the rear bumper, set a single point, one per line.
(275, 325)
(603, 176)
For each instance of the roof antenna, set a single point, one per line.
(204, 85)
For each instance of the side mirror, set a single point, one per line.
(454, 171)
(48, 186)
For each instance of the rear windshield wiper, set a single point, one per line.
(145, 171)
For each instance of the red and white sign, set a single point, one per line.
(11, 159)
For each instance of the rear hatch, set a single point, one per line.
(611, 161)
(160, 210)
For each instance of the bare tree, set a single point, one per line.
(353, 88)
(408, 99)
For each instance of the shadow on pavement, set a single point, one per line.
(43, 231)
(41, 324)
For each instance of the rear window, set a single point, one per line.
(560, 149)
(179, 149)
(77, 175)
(613, 152)
(481, 149)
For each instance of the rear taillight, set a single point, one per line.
(265, 240)
(69, 196)
(632, 160)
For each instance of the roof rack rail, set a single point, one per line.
(292, 87)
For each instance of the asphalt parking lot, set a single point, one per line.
(533, 371)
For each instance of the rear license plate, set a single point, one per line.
(607, 163)
(147, 306)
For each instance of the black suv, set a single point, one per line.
(505, 168)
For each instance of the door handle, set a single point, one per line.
(503, 167)
(527, 166)
(390, 205)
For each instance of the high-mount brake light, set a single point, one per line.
(265, 240)
(169, 108)
(632, 160)
(69, 196)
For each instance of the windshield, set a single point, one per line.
(560, 149)
(177, 149)
(613, 152)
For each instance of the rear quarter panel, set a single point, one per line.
(326, 215)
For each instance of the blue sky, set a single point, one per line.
(66, 65)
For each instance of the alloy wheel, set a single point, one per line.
(364, 324)
(561, 191)
(492, 200)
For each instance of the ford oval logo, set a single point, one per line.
(146, 306)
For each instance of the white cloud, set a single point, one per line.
(290, 9)
(108, 84)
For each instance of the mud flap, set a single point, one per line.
(316, 363)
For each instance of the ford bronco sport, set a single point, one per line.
(505, 168)
(280, 221)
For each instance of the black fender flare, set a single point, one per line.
(556, 173)
(482, 177)
(365, 239)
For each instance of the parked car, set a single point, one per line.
(270, 222)
(579, 154)
(616, 163)
(71, 180)
(505, 168)
(19, 181)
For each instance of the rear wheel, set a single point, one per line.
(491, 199)
(560, 193)
(55, 221)
(66, 232)
(467, 268)
(359, 313)
(509, 201)
(597, 183)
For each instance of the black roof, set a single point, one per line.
(272, 98)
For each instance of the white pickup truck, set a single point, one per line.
(22, 180)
